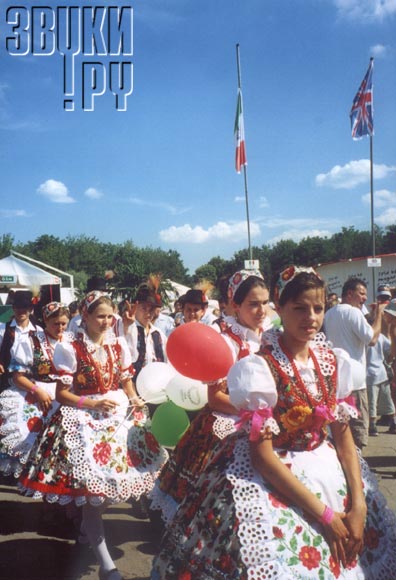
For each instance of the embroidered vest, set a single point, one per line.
(141, 347)
(300, 428)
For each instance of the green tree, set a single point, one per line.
(6, 243)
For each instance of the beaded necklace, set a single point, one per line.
(103, 372)
(301, 387)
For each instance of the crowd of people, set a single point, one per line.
(268, 481)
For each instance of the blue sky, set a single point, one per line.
(162, 172)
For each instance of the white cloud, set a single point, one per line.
(198, 235)
(387, 218)
(300, 223)
(382, 198)
(298, 235)
(239, 198)
(378, 50)
(55, 191)
(12, 213)
(263, 202)
(365, 9)
(173, 210)
(93, 193)
(352, 174)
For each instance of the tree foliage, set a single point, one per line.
(84, 257)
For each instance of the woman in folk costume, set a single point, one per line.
(29, 402)
(249, 296)
(95, 449)
(278, 498)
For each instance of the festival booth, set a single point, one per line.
(337, 273)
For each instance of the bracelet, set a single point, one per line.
(34, 388)
(81, 401)
(327, 516)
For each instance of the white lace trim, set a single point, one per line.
(319, 345)
(223, 425)
(344, 412)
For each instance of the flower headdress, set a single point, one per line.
(52, 308)
(150, 291)
(238, 278)
(287, 275)
(91, 298)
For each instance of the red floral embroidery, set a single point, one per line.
(133, 459)
(276, 501)
(310, 557)
(34, 424)
(334, 567)
(151, 442)
(186, 575)
(102, 453)
(277, 532)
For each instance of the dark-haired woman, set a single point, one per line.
(249, 296)
(277, 498)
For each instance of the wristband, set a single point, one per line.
(327, 516)
(81, 401)
(34, 388)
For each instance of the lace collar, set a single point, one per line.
(108, 339)
(319, 345)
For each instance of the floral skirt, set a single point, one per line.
(20, 422)
(188, 460)
(86, 455)
(235, 526)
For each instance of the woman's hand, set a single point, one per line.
(44, 400)
(136, 402)
(337, 535)
(354, 521)
(104, 405)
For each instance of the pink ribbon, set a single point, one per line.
(320, 415)
(258, 419)
(351, 401)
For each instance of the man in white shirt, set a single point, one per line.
(346, 327)
(11, 332)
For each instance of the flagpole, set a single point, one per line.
(244, 166)
(372, 211)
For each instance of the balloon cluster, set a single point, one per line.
(197, 354)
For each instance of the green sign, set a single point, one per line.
(8, 279)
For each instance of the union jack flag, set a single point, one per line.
(361, 114)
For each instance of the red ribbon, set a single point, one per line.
(320, 415)
(257, 417)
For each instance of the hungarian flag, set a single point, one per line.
(239, 131)
(361, 114)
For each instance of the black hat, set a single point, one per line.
(96, 283)
(195, 297)
(147, 294)
(23, 299)
(49, 293)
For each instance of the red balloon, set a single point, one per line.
(199, 352)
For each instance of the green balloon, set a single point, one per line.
(169, 423)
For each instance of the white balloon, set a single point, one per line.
(187, 393)
(152, 380)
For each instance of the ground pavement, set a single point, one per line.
(31, 548)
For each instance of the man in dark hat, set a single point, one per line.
(195, 307)
(146, 342)
(11, 332)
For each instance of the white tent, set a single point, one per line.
(16, 273)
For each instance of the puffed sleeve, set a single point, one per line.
(350, 375)
(21, 355)
(127, 370)
(252, 391)
(65, 362)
